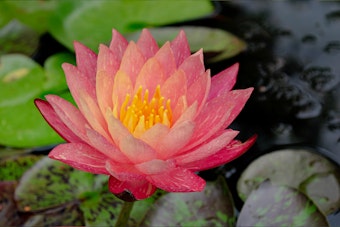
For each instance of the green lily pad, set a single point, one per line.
(15, 37)
(211, 207)
(50, 183)
(11, 169)
(34, 14)
(306, 171)
(216, 43)
(91, 22)
(21, 81)
(271, 205)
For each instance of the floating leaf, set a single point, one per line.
(216, 43)
(51, 183)
(34, 14)
(15, 37)
(91, 22)
(271, 205)
(21, 81)
(211, 207)
(299, 169)
(11, 169)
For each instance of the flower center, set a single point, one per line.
(140, 113)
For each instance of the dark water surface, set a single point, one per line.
(293, 61)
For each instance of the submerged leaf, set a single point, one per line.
(271, 205)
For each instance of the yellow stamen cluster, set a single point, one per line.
(141, 113)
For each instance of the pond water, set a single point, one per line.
(293, 61)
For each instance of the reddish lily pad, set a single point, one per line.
(271, 205)
(306, 171)
(11, 169)
(216, 43)
(51, 183)
(211, 207)
(84, 20)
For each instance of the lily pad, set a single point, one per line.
(211, 207)
(11, 169)
(15, 37)
(217, 44)
(21, 81)
(85, 21)
(50, 183)
(271, 205)
(304, 170)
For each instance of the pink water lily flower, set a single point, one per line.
(147, 116)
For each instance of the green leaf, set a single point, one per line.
(21, 81)
(271, 205)
(13, 168)
(51, 183)
(15, 37)
(306, 171)
(91, 22)
(211, 207)
(35, 14)
(216, 43)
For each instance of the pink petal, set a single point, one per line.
(223, 156)
(177, 180)
(176, 139)
(180, 107)
(116, 128)
(150, 76)
(86, 61)
(180, 48)
(166, 57)
(132, 61)
(223, 81)
(147, 44)
(80, 156)
(122, 86)
(152, 135)
(107, 66)
(54, 121)
(199, 90)
(104, 146)
(124, 172)
(69, 115)
(139, 189)
(188, 114)
(193, 67)
(207, 149)
(77, 82)
(155, 166)
(118, 44)
(175, 87)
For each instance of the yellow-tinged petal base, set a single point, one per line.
(139, 113)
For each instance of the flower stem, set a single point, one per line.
(124, 214)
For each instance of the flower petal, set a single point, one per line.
(86, 61)
(177, 180)
(139, 189)
(132, 61)
(150, 76)
(180, 48)
(223, 81)
(152, 135)
(231, 152)
(122, 86)
(147, 44)
(54, 121)
(107, 66)
(156, 166)
(193, 67)
(207, 149)
(69, 115)
(199, 90)
(80, 156)
(118, 44)
(165, 56)
(104, 146)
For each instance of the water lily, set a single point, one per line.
(148, 116)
